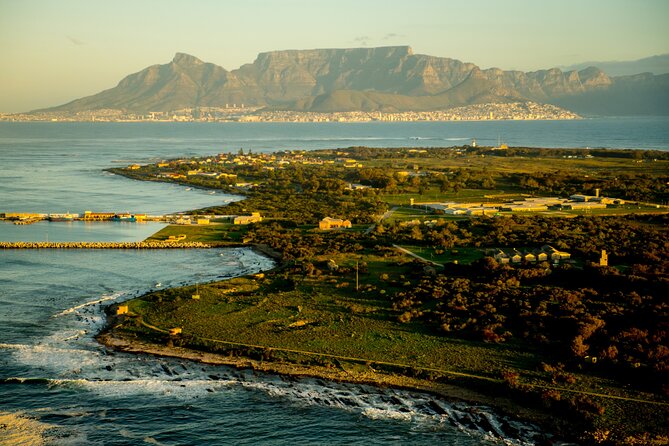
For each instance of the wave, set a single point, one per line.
(86, 304)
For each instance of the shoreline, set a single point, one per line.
(451, 392)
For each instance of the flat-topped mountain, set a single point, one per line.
(370, 79)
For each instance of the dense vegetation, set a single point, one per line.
(550, 332)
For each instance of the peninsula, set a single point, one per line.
(532, 280)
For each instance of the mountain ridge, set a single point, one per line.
(391, 78)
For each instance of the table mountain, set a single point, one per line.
(370, 79)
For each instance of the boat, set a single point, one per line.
(159, 284)
(124, 217)
(61, 217)
(189, 188)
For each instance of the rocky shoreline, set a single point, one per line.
(450, 392)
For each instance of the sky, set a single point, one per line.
(54, 51)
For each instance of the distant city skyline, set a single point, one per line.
(57, 51)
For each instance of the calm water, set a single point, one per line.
(57, 380)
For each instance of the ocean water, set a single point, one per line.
(57, 385)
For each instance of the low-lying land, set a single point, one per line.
(536, 314)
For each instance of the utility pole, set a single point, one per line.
(356, 275)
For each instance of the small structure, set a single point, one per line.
(529, 258)
(175, 331)
(122, 309)
(555, 255)
(333, 223)
(604, 259)
(247, 219)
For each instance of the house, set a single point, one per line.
(333, 223)
(501, 256)
(554, 254)
(529, 258)
(247, 219)
(515, 256)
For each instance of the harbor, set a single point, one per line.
(27, 218)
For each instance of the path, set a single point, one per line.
(370, 362)
(413, 254)
(386, 214)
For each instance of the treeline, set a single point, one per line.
(637, 241)
(614, 319)
(366, 153)
(589, 322)
(630, 186)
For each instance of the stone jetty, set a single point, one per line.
(102, 245)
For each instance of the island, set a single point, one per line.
(531, 280)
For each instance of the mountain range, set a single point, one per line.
(653, 64)
(385, 79)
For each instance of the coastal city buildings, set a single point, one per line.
(476, 112)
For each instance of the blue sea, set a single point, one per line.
(58, 386)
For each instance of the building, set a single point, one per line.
(333, 223)
(98, 216)
(555, 255)
(604, 259)
(202, 221)
(183, 220)
(247, 219)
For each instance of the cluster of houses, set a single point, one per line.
(255, 217)
(182, 169)
(546, 253)
(533, 204)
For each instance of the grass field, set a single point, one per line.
(358, 328)
(217, 232)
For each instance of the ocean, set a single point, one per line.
(58, 386)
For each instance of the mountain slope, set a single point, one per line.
(368, 79)
(654, 64)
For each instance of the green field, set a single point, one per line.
(212, 233)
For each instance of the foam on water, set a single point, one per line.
(87, 304)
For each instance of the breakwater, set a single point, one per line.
(102, 245)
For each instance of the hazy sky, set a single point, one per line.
(53, 51)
